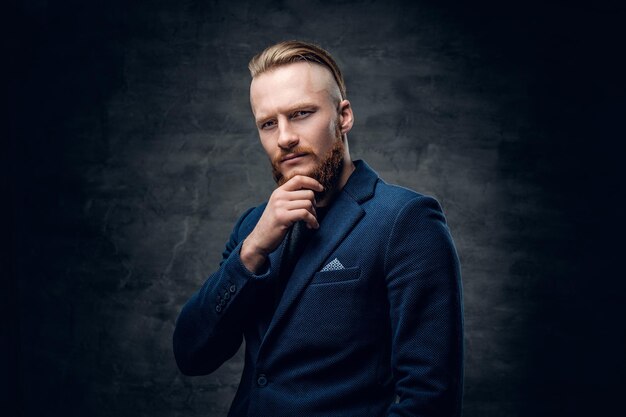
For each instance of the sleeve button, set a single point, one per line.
(218, 308)
(232, 288)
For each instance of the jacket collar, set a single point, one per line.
(361, 184)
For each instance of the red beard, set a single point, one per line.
(327, 172)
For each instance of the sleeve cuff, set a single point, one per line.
(240, 268)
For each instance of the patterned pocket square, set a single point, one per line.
(334, 265)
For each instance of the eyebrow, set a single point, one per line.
(297, 106)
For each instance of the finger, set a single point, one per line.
(307, 195)
(303, 182)
(307, 217)
(289, 200)
(301, 204)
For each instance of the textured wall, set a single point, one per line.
(135, 152)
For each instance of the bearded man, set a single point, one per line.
(346, 289)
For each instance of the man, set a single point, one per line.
(346, 289)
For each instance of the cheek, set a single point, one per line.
(326, 132)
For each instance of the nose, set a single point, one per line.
(287, 137)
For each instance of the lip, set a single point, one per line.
(292, 157)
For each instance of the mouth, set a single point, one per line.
(292, 157)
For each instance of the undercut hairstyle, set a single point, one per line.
(288, 52)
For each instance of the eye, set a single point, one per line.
(299, 114)
(268, 124)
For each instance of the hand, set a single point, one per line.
(288, 204)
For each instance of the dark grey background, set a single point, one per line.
(133, 151)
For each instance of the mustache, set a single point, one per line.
(298, 149)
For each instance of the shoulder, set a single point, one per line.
(395, 193)
(417, 230)
(385, 203)
(396, 199)
(366, 187)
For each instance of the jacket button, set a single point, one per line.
(218, 308)
(233, 288)
(261, 380)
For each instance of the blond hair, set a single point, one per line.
(288, 52)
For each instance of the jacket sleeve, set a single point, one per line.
(209, 328)
(424, 290)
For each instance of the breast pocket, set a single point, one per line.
(336, 276)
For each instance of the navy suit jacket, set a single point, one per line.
(382, 336)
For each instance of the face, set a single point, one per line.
(301, 121)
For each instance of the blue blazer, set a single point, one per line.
(369, 324)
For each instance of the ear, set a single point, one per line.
(346, 117)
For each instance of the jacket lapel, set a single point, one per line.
(344, 213)
(342, 216)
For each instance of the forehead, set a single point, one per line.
(278, 88)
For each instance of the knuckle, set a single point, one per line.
(281, 216)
